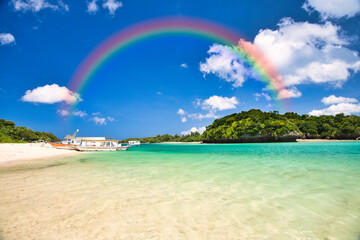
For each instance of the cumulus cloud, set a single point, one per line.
(338, 105)
(332, 99)
(346, 108)
(38, 5)
(6, 38)
(333, 8)
(181, 112)
(99, 120)
(111, 119)
(225, 64)
(194, 129)
(50, 94)
(309, 53)
(112, 6)
(92, 7)
(292, 92)
(184, 65)
(219, 103)
(212, 105)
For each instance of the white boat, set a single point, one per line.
(89, 143)
(96, 145)
(69, 142)
(134, 143)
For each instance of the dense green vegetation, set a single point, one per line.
(272, 125)
(257, 126)
(193, 137)
(9, 133)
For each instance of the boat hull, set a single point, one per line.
(63, 146)
(99, 149)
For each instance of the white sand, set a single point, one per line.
(10, 152)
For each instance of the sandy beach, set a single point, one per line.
(11, 152)
(283, 191)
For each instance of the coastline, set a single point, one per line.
(180, 142)
(15, 152)
(326, 140)
(297, 140)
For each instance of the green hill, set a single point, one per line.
(9, 133)
(257, 126)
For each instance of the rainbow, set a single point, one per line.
(175, 26)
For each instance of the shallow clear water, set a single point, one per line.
(178, 191)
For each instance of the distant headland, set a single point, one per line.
(255, 126)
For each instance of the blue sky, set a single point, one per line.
(172, 84)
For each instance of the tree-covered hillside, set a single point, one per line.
(255, 125)
(193, 137)
(9, 133)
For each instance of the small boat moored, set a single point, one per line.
(93, 145)
(105, 144)
(134, 143)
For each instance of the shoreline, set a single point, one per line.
(326, 140)
(17, 152)
(180, 143)
(297, 140)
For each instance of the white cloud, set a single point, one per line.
(333, 8)
(211, 105)
(339, 105)
(80, 113)
(307, 53)
(111, 119)
(96, 113)
(38, 5)
(220, 103)
(225, 64)
(292, 92)
(50, 94)
(159, 93)
(346, 108)
(194, 129)
(112, 5)
(332, 99)
(263, 94)
(92, 7)
(181, 112)
(6, 38)
(200, 116)
(184, 65)
(63, 112)
(99, 120)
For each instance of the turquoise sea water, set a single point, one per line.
(185, 191)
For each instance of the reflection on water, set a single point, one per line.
(163, 191)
